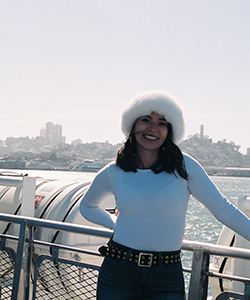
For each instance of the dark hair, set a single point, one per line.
(171, 158)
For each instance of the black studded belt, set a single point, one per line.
(142, 259)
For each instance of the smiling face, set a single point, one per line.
(150, 132)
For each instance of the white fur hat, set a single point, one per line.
(158, 102)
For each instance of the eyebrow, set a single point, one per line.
(161, 119)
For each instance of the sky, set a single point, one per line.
(77, 62)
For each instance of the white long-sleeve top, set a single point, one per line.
(152, 207)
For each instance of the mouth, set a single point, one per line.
(150, 137)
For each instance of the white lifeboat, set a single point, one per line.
(231, 266)
(54, 200)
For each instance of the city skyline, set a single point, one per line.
(53, 133)
(77, 62)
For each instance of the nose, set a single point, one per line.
(153, 126)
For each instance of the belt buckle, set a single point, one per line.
(143, 257)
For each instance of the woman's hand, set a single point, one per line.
(111, 239)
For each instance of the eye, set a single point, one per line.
(146, 120)
(162, 123)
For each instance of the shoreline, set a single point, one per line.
(211, 171)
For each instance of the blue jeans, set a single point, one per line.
(119, 280)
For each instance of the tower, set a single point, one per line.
(202, 132)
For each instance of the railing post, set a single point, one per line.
(199, 281)
(21, 281)
(28, 196)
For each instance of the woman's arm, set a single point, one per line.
(204, 190)
(98, 192)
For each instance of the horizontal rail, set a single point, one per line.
(63, 226)
(210, 249)
(62, 247)
(7, 181)
(28, 186)
(103, 232)
(219, 250)
(228, 277)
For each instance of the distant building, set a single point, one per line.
(43, 133)
(53, 134)
(76, 142)
(248, 151)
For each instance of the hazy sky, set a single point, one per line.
(76, 62)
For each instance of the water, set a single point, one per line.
(200, 224)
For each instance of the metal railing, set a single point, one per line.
(200, 273)
(35, 269)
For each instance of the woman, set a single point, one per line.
(151, 181)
